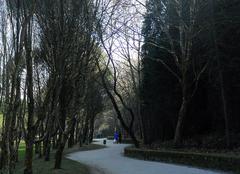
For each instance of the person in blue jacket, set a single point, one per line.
(116, 136)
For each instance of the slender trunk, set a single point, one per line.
(28, 156)
(146, 122)
(118, 112)
(62, 134)
(71, 138)
(30, 124)
(80, 133)
(182, 112)
(77, 130)
(40, 150)
(59, 152)
(220, 73)
(7, 135)
(180, 123)
(85, 130)
(54, 142)
(58, 157)
(91, 129)
(18, 140)
(226, 119)
(37, 145)
(139, 117)
(47, 147)
(41, 133)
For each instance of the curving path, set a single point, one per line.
(110, 160)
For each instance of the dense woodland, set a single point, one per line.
(163, 72)
(190, 85)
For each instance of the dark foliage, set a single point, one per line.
(161, 94)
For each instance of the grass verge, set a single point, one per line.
(42, 167)
(68, 166)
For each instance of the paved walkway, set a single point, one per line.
(110, 160)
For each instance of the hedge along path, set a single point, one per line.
(205, 160)
(111, 160)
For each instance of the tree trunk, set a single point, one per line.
(59, 152)
(180, 123)
(62, 134)
(46, 148)
(128, 129)
(182, 112)
(226, 119)
(220, 73)
(85, 130)
(40, 150)
(91, 129)
(71, 138)
(30, 127)
(54, 142)
(58, 158)
(77, 132)
(28, 156)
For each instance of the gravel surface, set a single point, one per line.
(110, 160)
